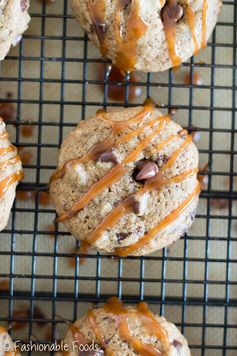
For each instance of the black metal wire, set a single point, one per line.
(162, 302)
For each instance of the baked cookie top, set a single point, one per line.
(118, 330)
(126, 182)
(147, 35)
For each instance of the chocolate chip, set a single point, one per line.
(122, 236)
(177, 344)
(108, 156)
(147, 170)
(172, 12)
(24, 4)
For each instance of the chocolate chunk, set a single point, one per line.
(173, 12)
(108, 156)
(177, 344)
(24, 4)
(147, 170)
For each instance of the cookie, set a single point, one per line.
(147, 35)
(126, 181)
(14, 20)
(6, 344)
(10, 174)
(115, 329)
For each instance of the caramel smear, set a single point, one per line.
(170, 28)
(204, 24)
(191, 23)
(123, 252)
(114, 174)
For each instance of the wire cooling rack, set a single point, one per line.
(53, 83)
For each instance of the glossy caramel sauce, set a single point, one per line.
(155, 183)
(148, 321)
(7, 182)
(117, 91)
(126, 35)
(204, 24)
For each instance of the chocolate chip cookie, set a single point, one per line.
(10, 174)
(115, 329)
(14, 20)
(147, 35)
(126, 181)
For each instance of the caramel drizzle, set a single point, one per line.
(7, 182)
(115, 173)
(106, 144)
(170, 28)
(13, 160)
(191, 23)
(15, 177)
(204, 23)
(6, 150)
(147, 319)
(155, 183)
(4, 136)
(154, 231)
(126, 45)
(97, 331)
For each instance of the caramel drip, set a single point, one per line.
(170, 28)
(7, 182)
(97, 331)
(147, 319)
(204, 24)
(105, 145)
(114, 174)
(97, 11)
(6, 150)
(191, 23)
(126, 45)
(13, 160)
(167, 221)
